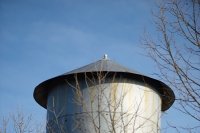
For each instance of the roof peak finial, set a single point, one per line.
(105, 57)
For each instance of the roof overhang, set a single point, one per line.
(105, 66)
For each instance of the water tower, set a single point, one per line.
(103, 96)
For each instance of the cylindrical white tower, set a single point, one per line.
(104, 96)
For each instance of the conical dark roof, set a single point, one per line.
(106, 65)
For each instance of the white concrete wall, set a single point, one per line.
(125, 107)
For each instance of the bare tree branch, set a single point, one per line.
(176, 52)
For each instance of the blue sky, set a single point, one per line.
(42, 39)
